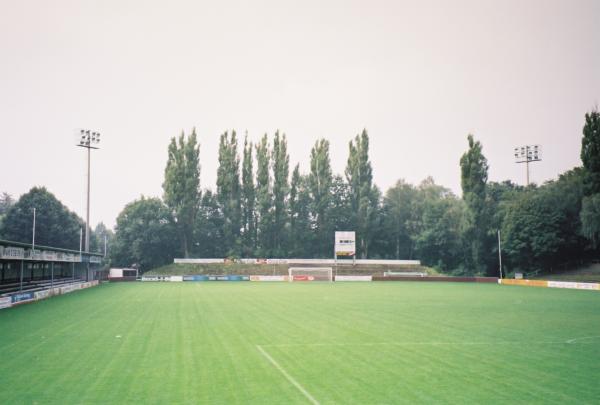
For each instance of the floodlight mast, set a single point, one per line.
(87, 139)
(526, 154)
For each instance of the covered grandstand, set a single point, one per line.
(26, 270)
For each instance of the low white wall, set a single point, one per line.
(302, 261)
(353, 278)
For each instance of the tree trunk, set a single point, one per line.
(186, 252)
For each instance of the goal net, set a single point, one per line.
(310, 274)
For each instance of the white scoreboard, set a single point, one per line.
(345, 243)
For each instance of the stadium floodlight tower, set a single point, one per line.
(526, 154)
(89, 140)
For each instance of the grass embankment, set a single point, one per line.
(590, 274)
(283, 343)
(279, 269)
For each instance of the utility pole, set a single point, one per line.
(33, 237)
(499, 255)
(526, 154)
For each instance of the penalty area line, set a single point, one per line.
(288, 377)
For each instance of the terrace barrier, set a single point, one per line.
(13, 299)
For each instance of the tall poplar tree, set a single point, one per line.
(294, 214)
(248, 202)
(590, 156)
(228, 192)
(319, 183)
(474, 176)
(281, 169)
(359, 174)
(264, 198)
(182, 186)
(339, 216)
(301, 234)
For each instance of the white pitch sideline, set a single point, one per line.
(579, 340)
(287, 376)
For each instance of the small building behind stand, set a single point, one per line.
(122, 274)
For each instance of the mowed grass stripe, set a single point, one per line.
(342, 342)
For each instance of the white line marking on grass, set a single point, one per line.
(466, 343)
(578, 340)
(287, 376)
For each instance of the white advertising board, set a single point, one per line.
(40, 295)
(574, 285)
(353, 278)
(10, 252)
(5, 302)
(268, 278)
(176, 278)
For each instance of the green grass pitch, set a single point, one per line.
(286, 343)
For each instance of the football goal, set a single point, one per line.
(310, 274)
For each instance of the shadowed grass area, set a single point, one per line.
(338, 342)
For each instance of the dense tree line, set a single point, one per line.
(260, 209)
(56, 225)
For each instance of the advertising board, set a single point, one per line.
(525, 282)
(40, 295)
(239, 278)
(303, 277)
(10, 252)
(353, 278)
(574, 285)
(195, 278)
(5, 302)
(176, 278)
(71, 287)
(22, 297)
(268, 278)
(228, 278)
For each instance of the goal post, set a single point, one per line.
(310, 274)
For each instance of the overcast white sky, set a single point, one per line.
(418, 75)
